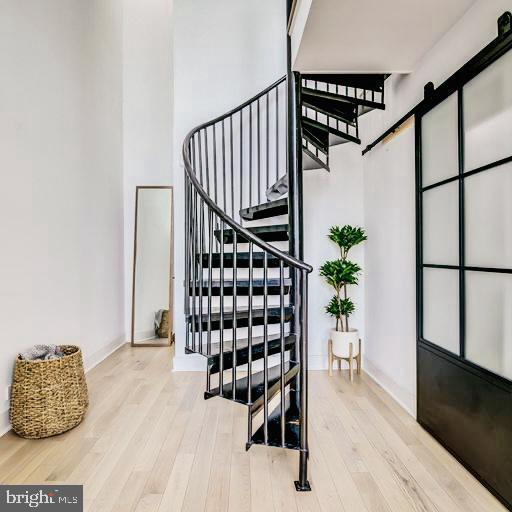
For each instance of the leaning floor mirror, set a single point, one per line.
(152, 296)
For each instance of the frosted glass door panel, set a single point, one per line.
(488, 218)
(488, 115)
(489, 321)
(441, 308)
(439, 136)
(441, 225)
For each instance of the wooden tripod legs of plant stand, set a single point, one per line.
(350, 360)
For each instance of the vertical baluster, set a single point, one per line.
(277, 133)
(235, 296)
(303, 414)
(200, 158)
(187, 242)
(200, 273)
(224, 204)
(192, 282)
(215, 181)
(265, 346)
(316, 111)
(232, 167)
(267, 142)
(207, 161)
(258, 147)
(281, 333)
(203, 214)
(210, 269)
(241, 159)
(187, 260)
(250, 155)
(192, 153)
(249, 338)
(221, 298)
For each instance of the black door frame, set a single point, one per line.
(452, 392)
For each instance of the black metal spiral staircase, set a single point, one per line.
(246, 286)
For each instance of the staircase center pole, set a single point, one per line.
(298, 293)
(294, 175)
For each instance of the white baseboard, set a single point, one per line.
(189, 363)
(89, 363)
(197, 363)
(5, 424)
(317, 362)
(92, 360)
(401, 395)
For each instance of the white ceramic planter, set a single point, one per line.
(341, 343)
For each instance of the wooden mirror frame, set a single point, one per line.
(170, 337)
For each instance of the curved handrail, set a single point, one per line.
(239, 229)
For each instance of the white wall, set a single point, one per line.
(147, 110)
(224, 53)
(61, 265)
(331, 199)
(389, 205)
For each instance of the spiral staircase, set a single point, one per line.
(246, 284)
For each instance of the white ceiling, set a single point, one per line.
(368, 36)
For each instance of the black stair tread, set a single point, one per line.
(266, 210)
(242, 260)
(345, 112)
(243, 312)
(371, 82)
(242, 286)
(242, 317)
(278, 189)
(274, 233)
(291, 430)
(316, 136)
(242, 350)
(257, 385)
(241, 344)
(311, 161)
(360, 101)
(307, 121)
(244, 282)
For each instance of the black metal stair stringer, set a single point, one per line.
(332, 133)
(240, 392)
(368, 104)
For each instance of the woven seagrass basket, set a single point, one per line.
(48, 397)
(163, 329)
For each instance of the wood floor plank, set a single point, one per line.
(150, 442)
(197, 489)
(172, 500)
(320, 478)
(261, 482)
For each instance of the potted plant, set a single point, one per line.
(340, 274)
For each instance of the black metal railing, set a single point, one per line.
(238, 296)
(237, 156)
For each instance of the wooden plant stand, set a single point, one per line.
(350, 360)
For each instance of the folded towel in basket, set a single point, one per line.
(42, 353)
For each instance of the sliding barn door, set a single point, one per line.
(464, 266)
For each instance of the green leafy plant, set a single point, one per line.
(342, 273)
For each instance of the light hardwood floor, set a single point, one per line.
(151, 443)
